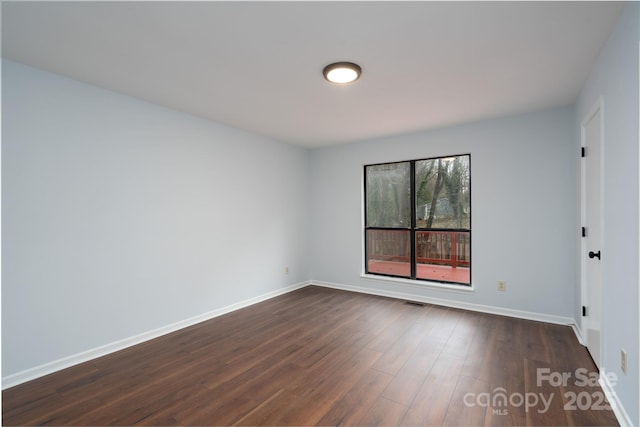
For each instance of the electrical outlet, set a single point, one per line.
(286, 270)
(623, 361)
(502, 285)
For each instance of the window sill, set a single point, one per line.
(464, 289)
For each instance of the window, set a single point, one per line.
(418, 219)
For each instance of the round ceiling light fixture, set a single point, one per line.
(342, 72)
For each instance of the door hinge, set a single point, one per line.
(584, 311)
(584, 231)
(583, 151)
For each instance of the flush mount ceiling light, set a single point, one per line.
(342, 72)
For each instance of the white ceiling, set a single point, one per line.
(258, 65)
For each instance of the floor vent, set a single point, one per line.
(416, 303)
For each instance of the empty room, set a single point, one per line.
(320, 213)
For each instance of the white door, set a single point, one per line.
(592, 256)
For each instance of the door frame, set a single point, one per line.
(584, 295)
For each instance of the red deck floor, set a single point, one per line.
(424, 271)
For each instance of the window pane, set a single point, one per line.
(443, 197)
(389, 252)
(443, 256)
(418, 219)
(388, 195)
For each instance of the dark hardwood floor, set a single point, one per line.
(319, 356)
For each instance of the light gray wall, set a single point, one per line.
(120, 217)
(523, 189)
(615, 79)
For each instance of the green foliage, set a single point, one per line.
(451, 207)
(443, 183)
(388, 195)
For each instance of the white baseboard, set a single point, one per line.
(576, 330)
(612, 397)
(85, 356)
(454, 304)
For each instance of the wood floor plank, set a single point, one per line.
(28, 398)
(321, 391)
(384, 412)
(409, 379)
(467, 407)
(543, 414)
(431, 403)
(447, 323)
(506, 375)
(403, 348)
(267, 411)
(319, 356)
(482, 356)
(358, 400)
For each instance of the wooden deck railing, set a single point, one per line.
(443, 247)
(450, 248)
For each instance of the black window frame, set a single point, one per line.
(413, 229)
